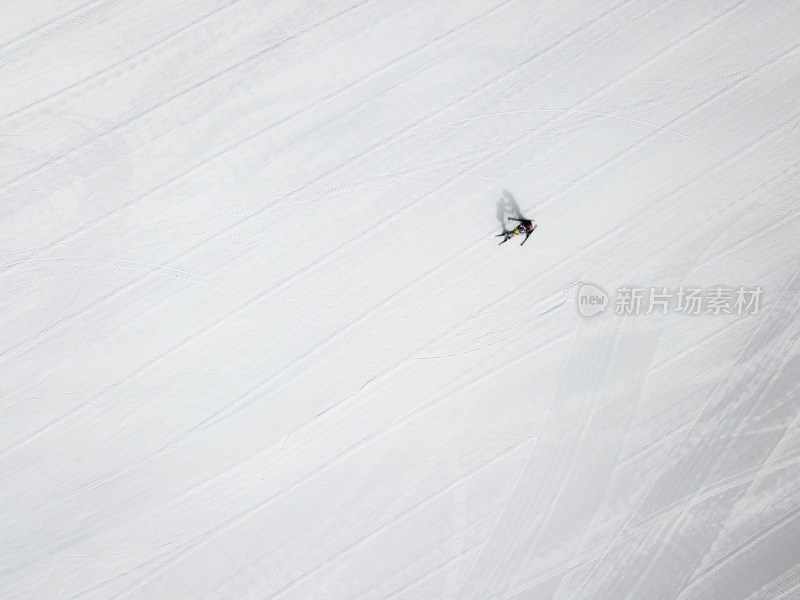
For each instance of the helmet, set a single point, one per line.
(516, 230)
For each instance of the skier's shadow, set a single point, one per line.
(507, 207)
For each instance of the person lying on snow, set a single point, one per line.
(526, 226)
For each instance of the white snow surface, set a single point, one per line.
(258, 340)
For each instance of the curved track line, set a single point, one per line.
(641, 526)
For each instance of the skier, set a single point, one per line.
(525, 226)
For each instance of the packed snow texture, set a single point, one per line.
(258, 339)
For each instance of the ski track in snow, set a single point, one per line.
(258, 339)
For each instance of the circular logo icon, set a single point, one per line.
(591, 300)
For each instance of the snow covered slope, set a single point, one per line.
(258, 340)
